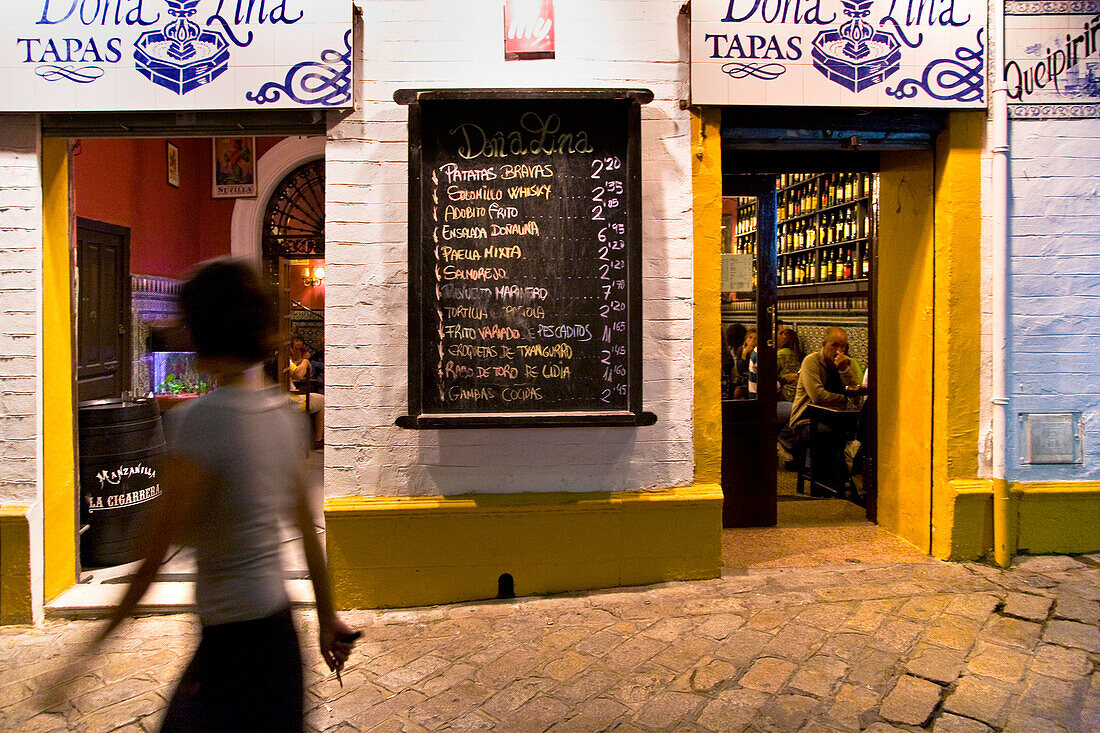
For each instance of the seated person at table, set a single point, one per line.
(301, 384)
(734, 373)
(821, 381)
(788, 361)
(744, 360)
(732, 339)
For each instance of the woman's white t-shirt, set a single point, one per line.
(248, 441)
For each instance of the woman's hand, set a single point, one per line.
(337, 639)
(750, 344)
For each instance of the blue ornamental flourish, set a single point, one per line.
(326, 82)
(1054, 111)
(1052, 7)
(78, 74)
(960, 79)
(767, 72)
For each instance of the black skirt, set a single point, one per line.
(245, 676)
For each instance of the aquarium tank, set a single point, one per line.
(173, 374)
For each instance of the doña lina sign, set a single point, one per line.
(867, 53)
(105, 55)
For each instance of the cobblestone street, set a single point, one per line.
(950, 648)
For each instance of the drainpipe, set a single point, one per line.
(1002, 541)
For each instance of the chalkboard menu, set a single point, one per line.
(524, 258)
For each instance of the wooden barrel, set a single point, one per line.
(121, 444)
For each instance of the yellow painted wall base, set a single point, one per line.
(1054, 517)
(15, 566)
(963, 521)
(1057, 517)
(412, 551)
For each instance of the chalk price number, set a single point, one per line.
(606, 209)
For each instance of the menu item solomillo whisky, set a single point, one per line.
(528, 234)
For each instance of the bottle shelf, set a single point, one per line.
(854, 242)
(830, 287)
(833, 231)
(823, 210)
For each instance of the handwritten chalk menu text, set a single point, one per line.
(524, 258)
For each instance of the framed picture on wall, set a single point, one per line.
(234, 161)
(173, 165)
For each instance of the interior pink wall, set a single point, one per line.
(311, 297)
(124, 182)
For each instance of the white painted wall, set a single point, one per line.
(422, 44)
(1054, 312)
(20, 305)
(985, 387)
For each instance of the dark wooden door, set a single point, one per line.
(749, 425)
(103, 310)
(285, 328)
(870, 447)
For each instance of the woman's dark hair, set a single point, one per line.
(228, 312)
(795, 345)
(788, 338)
(735, 336)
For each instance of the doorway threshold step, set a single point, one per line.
(95, 601)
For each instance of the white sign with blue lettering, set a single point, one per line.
(114, 55)
(1052, 59)
(839, 53)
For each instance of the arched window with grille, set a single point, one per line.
(294, 231)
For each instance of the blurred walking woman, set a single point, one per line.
(233, 473)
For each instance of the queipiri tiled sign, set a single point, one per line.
(148, 55)
(838, 53)
(1052, 59)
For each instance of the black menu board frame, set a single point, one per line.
(611, 397)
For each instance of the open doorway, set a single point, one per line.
(173, 203)
(890, 159)
(293, 247)
(797, 345)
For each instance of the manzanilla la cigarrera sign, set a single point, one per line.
(108, 55)
(866, 53)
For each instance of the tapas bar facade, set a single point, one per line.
(431, 514)
(422, 512)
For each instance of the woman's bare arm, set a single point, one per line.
(334, 635)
